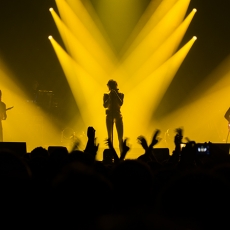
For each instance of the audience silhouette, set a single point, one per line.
(188, 190)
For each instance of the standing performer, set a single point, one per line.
(113, 102)
(2, 115)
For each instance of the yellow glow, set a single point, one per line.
(143, 23)
(100, 52)
(119, 18)
(162, 54)
(50, 37)
(67, 64)
(78, 52)
(50, 9)
(156, 37)
(144, 98)
(87, 92)
(202, 113)
(89, 18)
(215, 84)
(154, 13)
(143, 75)
(26, 122)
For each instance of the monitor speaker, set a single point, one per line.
(19, 148)
(223, 147)
(161, 154)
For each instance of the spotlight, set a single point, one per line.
(50, 37)
(51, 9)
(195, 38)
(195, 10)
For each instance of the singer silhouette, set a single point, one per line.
(113, 101)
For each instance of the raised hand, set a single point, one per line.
(177, 141)
(91, 132)
(125, 148)
(91, 146)
(178, 137)
(155, 138)
(76, 143)
(110, 145)
(142, 141)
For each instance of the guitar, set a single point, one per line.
(10, 108)
(2, 117)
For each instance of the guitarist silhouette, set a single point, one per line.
(3, 115)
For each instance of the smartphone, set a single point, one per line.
(202, 149)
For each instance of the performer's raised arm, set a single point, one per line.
(119, 96)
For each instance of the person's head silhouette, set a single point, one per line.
(112, 84)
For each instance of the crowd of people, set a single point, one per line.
(55, 186)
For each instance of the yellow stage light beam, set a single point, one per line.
(81, 55)
(26, 122)
(89, 18)
(162, 54)
(170, 67)
(120, 17)
(67, 64)
(154, 13)
(101, 54)
(86, 91)
(78, 51)
(156, 37)
(214, 83)
(144, 98)
(202, 112)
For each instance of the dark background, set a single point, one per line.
(24, 46)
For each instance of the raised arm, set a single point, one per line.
(113, 96)
(119, 96)
(91, 146)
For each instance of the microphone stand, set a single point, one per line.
(111, 122)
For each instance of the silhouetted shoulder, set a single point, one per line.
(2, 106)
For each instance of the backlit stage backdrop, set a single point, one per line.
(169, 57)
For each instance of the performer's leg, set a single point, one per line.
(120, 131)
(109, 126)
